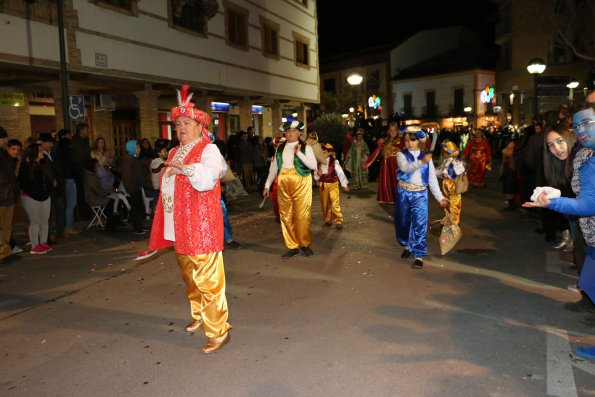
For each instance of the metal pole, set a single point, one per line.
(535, 101)
(63, 69)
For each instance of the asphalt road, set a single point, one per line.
(485, 320)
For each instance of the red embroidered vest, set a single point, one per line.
(198, 216)
(331, 175)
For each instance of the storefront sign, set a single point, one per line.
(256, 109)
(12, 98)
(222, 107)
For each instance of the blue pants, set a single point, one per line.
(226, 224)
(411, 220)
(587, 279)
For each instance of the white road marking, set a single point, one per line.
(560, 378)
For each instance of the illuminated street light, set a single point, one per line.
(536, 67)
(355, 79)
(572, 85)
(468, 109)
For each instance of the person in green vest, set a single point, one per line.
(293, 164)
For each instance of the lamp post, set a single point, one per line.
(355, 79)
(572, 85)
(536, 67)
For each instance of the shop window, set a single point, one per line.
(430, 103)
(236, 25)
(42, 10)
(129, 7)
(408, 104)
(270, 38)
(329, 85)
(373, 80)
(301, 50)
(459, 100)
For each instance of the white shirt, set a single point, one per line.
(308, 159)
(324, 169)
(414, 167)
(202, 176)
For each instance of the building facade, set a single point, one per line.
(248, 62)
(557, 32)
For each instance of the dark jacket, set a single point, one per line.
(64, 158)
(9, 184)
(94, 194)
(35, 181)
(81, 152)
(131, 172)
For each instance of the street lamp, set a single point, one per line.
(536, 67)
(355, 79)
(572, 85)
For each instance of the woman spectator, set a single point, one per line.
(356, 157)
(583, 206)
(100, 152)
(479, 155)
(95, 195)
(36, 185)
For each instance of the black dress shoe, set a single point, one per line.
(290, 254)
(406, 254)
(582, 306)
(306, 251)
(418, 264)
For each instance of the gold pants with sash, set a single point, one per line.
(205, 287)
(294, 193)
(455, 202)
(329, 200)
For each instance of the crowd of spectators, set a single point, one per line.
(62, 178)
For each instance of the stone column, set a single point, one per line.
(245, 114)
(148, 113)
(203, 102)
(276, 118)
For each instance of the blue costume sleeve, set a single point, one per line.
(584, 204)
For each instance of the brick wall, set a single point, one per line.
(16, 121)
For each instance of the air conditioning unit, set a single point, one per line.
(104, 102)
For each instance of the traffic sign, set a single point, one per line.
(76, 107)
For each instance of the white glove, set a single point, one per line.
(549, 191)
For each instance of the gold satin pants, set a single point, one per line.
(294, 193)
(204, 276)
(455, 201)
(329, 200)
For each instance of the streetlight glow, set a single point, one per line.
(572, 84)
(355, 79)
(536, 66)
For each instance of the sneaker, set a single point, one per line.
(139, 232)
(47, 247)
(17, 250)
(233, 245)
(573, 288)
(38, 250)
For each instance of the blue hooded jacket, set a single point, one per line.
(131, 147)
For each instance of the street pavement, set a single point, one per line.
(487, 319)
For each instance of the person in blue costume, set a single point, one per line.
(583, 184)
(415, 173)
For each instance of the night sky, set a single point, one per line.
(348, 25)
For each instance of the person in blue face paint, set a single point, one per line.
(583, 185)
(415, 173)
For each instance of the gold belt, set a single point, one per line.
(411, 187)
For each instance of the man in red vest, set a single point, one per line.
(188, 216)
